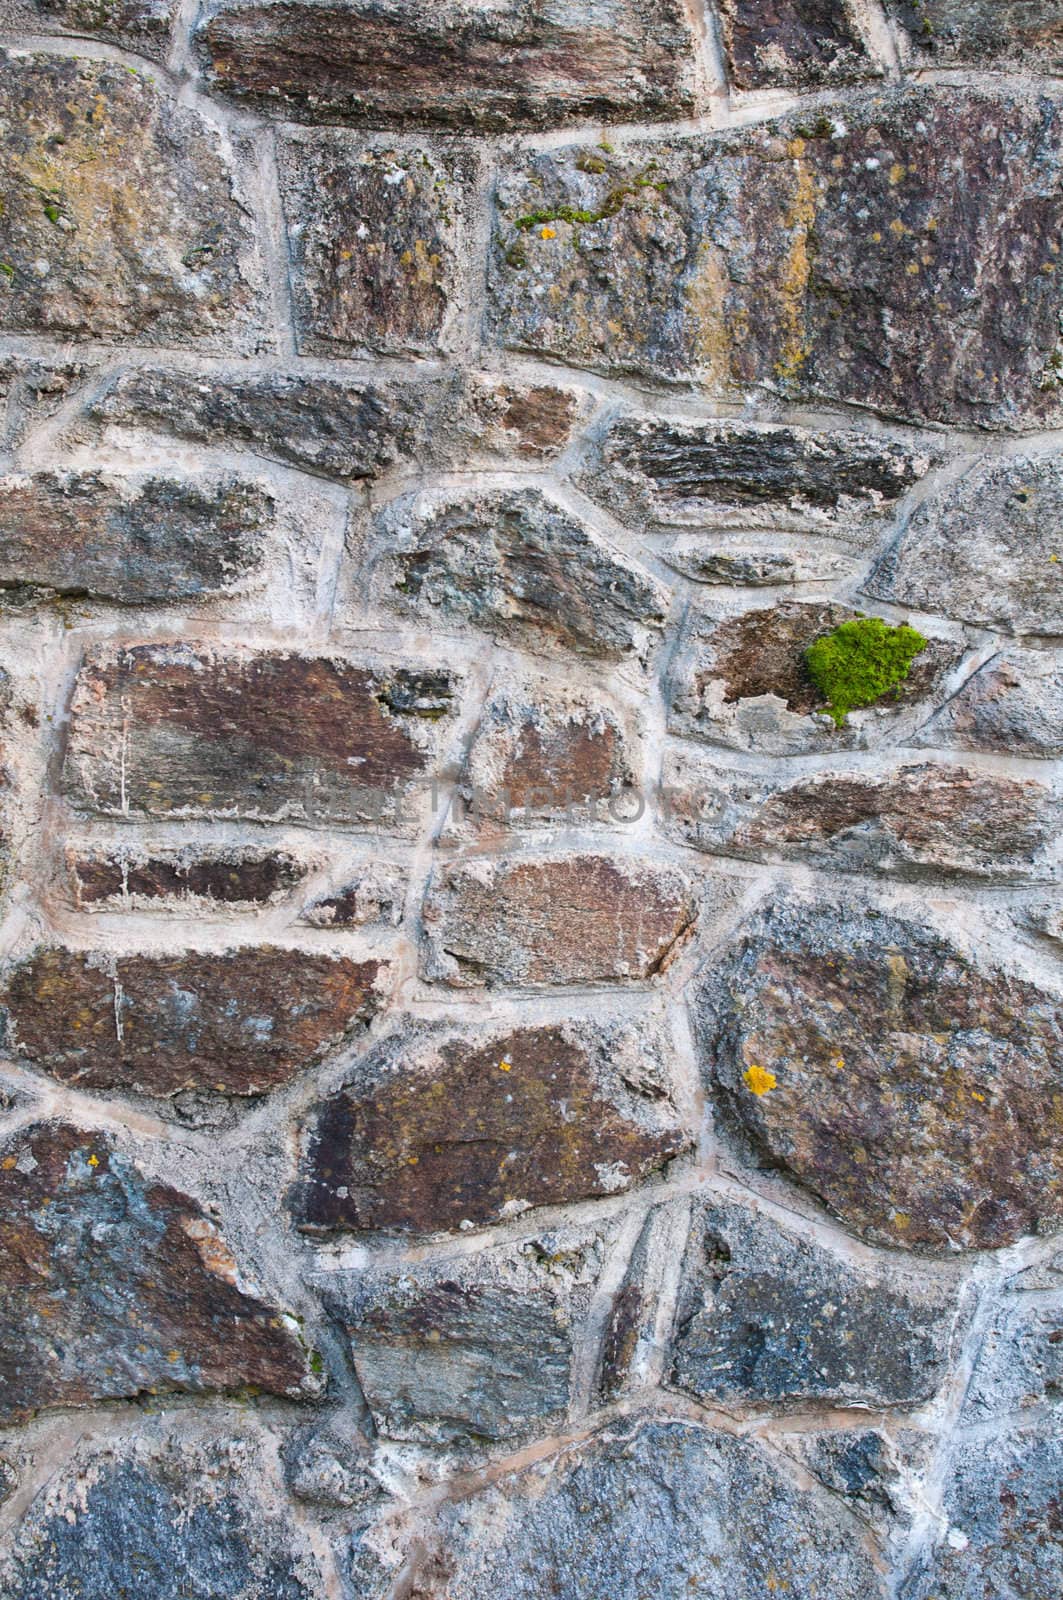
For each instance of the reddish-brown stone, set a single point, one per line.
(112, 1286)
(239, 1023)
(105, 880)
(793, 43)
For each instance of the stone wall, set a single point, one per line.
(520, 1081)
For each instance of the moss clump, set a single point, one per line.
(860, 662)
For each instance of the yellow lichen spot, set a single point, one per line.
(912, 268)
(931, 224)
(839, 1062)
(505, 1066)
(897, 172)
(901, 1220)
(411, 1161)
(94, 1161)
(876, 237)
(897, 228)
(796, 148)
(547, 233)
(8, 1162)
(797, 271)
(976, 1096)
(759, 1081)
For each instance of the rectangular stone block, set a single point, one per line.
(132, 877)
(794, 44)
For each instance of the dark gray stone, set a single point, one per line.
(1020, 35)
(794, 44)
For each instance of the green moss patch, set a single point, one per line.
(860, 663)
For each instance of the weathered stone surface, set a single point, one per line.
(718, 474)
(141, 25)
(114, 1286)
(741, 681)
(139, 1515)
(1023, 34)
(120, 218)
(752, 564)
(326, 1470)
(450, 65)
(135, 541)
(130, 877)
(440, 1130)
(639, 1330)
(903, 821)
(240, 1023)
(831, 257)
(518, 566)
(766, 1318)
(916, 1093)
(1002, 1529)
(650, 1508)
(32, 390)
(375, 239)
(986, 550)
(374, 895)
(1011, 706)
(539, 920)
(193, 731)
(496, 419)
(880, 1477)
(793, 43)
(1020, 1363)
(470, 1350)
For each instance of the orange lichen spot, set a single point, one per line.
(547, 233)
(759, 1081)
(94, 1161)
(505, 1066)
(976, 1096)
(8, 1162)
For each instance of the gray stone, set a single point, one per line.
(32, 390)
(1022, 35)
(881, 1477)
(331, 1472)
(766, 1318)
(731, 563)
(375, 237)
(831, 257)
(1020, 1363)
(986, 550)
(140, 25)
(903, 1082)
(121, 218)
(404, 63)
(650, 1508)
(517, 566)
(794, 44)
(372, 897)
(1011, 706)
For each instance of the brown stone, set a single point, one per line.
(121, 218)
(239, 1023)
(527, 65)
(187, 730)
(916, 1093)
(75, 533)
(436, 1130)
(375, 240)
(129, 876)
(794, 44)
(113, 1287)
(555, 920)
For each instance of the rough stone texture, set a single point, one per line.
(330, 1472)
(120, 215)
(239, 1023)
(1025, 33)
(470, 1350)
(768, 1319)
(374, 897)
(114, 1286)
(519, 567)
(132, 1516)
(129, 877)
(1020, 1364)
(741, 681)
(454, 66)
(907, 822)
(881, 1477)
(186, 730)
(986, 550)
(796, 44)
(437, 1130)
(911, 1089)
(32, 390)
(158, 539)
(726, 563)
(535, 920)
(142, 25)
(648, 1508)
(830, 257)
(375, 239)
(682, 474)
(1011, 706)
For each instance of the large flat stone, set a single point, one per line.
(793, 44)
(879, 1065)
(1011, 706)
(829, 257)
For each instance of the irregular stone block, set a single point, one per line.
(1011, 706)
(986, 550)
(239, 1023)
(129, 877)
(1000, 1531)
(32, 390)
(881, 1477)
(721, 474)
(326, 1470)
(113, 1286)
(1027, 35)
(135, 541)
(189, 730)
(496, 419)
(746, 564)
(906, 822)
(438, 1130)
(649, 1507)
(1020, 1363)
(137, 1514)
(639, 1329)
(516, 565)
(828, 257)
(398, 65)
(876, 1063)
(470, 1350)
(375, 238)
(766, 1318)
(121, 219)
(741, 681)
(141, 25)
(555, 920)
(793, 44)
(374, 896)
